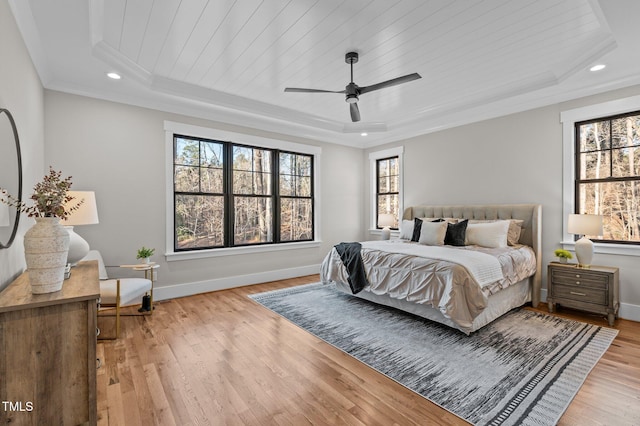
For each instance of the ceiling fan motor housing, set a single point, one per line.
(351, 57)
(352, 93)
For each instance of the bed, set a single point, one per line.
(458, 286)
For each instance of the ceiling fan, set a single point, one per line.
(353, 91)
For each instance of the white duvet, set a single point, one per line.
(455, 280)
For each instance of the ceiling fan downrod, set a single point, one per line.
(351, 89)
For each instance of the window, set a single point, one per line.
(386, 184)
(387, 187)
(199, 195)
(296, 202)
(607, 174)
(227, 194)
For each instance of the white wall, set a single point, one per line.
(21, 93)
(511, 159)
(118, 151)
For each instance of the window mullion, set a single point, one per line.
(276, 203)
(229, 214)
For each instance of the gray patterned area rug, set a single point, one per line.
(522, 369)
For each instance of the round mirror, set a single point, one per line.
(10, 177)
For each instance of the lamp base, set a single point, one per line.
(78, 247)
(584, 252)
(386, 233)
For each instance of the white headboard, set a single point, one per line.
(531, 234)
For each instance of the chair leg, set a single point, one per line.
(117, 309)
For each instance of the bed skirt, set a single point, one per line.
(499, 304)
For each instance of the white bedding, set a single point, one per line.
(483, 267)
(402, 271)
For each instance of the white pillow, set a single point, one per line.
(492, 234)
(406, 229)
(515, 229)
(432, 233)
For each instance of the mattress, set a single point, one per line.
(456, 282)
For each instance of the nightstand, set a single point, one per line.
(594, 289)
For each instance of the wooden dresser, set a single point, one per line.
(48, 344)
(594, 289)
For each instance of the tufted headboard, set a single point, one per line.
(531, 234)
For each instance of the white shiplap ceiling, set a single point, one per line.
(230, 60)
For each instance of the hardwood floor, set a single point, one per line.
(221, 359)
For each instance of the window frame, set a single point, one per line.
(610, 179)
(568, 119)
(378, 193)
(373, 167)
(250, 141)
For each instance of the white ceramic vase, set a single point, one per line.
(46, 245)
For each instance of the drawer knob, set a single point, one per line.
(577, 275)
(577, 282)
(575, 293)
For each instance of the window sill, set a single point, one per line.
(232, 251)
(618, 249)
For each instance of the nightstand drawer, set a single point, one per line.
(582, 294)
(579, 278)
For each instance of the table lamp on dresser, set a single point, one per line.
(86, 214)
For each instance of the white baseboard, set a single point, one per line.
(189, 289)
(627, 310)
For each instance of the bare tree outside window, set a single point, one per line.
(296, 202)
(252, 195)
(608, 175)
(387, 192)
(199, 198)
(225, 195)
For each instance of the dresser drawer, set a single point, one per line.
(580, 278)
(581, 294)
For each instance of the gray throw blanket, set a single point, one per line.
(352, 260)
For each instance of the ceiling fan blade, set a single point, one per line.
(355, 112)
(392, 82)
(299, 90)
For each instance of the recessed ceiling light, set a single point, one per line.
(364, 134)
(114, 75)
(597, 67)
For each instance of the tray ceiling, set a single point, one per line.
(230, 61)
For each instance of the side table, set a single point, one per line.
(148, 269)
(594, 289)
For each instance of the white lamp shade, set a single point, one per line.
(585, 224)
(87, 213)
(386, 219)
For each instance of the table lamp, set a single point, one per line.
(584, 224)
(86, 214)
(385, 221)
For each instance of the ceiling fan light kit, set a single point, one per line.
(353, 91)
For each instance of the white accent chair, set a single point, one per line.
(116, 293)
